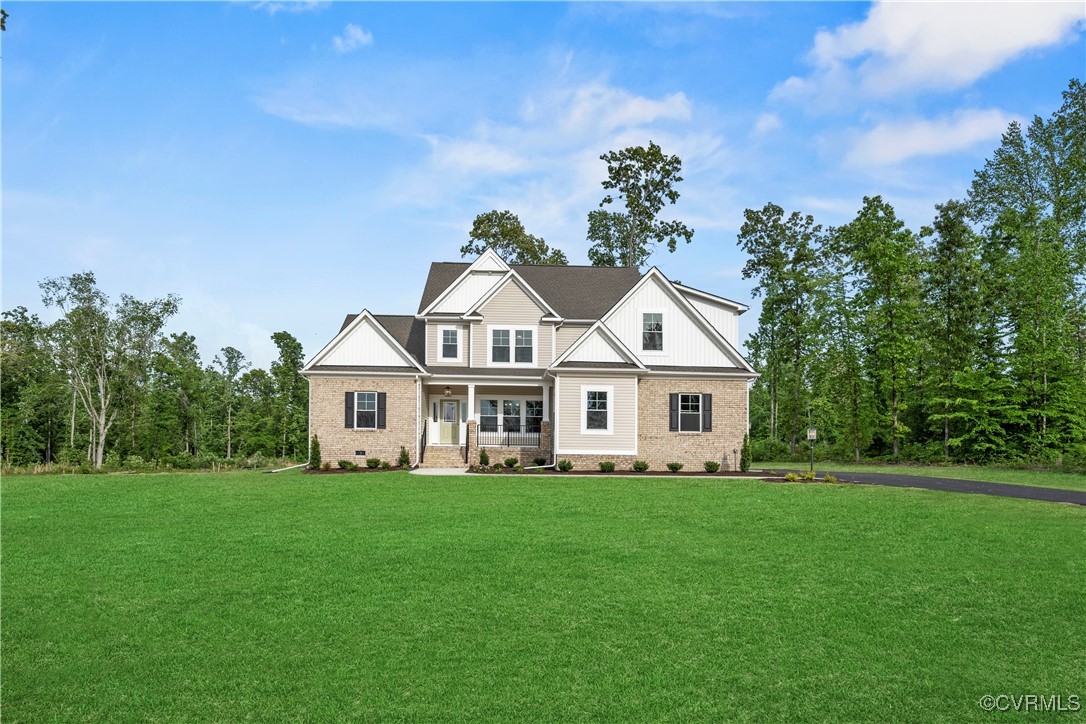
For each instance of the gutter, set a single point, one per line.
(299, 465)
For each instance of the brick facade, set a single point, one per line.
(338, 442)
(526, 455)
(658, 446)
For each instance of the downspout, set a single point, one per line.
(418, 410)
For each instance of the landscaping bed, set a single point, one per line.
(494, 470)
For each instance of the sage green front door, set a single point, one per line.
(449, 422)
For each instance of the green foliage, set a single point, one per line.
(511, 462)
(791, 478)
(643, 180)
(326, 465)
(565, 465)
(807, 475)
(518, 469)
(640, 466)
(373, 463)
(347, 465)
(744, 454)
(484, 456)
(607, 466)
(674, 467)
(404, 460)
(831, 479)
(315, 453)
(539, 461)
(503, 232)
(711, 466)
(386, 465)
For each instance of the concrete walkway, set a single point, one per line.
(1005, 490)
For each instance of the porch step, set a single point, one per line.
(443, 456)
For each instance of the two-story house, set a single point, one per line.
(553, 362)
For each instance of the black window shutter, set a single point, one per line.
(380, 410)
(673, 410)
(348, 412)
(706, 413)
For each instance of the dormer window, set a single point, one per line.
(450, 343)
(652, 332)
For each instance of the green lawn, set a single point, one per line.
(1041, 478)
(391, 596)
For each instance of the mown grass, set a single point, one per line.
(405, 597)
(1040, 478)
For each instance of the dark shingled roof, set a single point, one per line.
(575, 292)
(361, 368)
(598, 365)
(681, 368)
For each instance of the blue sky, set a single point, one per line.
(279, 165)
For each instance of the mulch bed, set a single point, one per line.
(623, 473)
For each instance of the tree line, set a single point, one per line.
(964, 341)
(105, 386)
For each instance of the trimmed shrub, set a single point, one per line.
(326, 465)
(606, 466)
(711, 466)
(484, 457)
(832, 479)
(744, 454)
(674, 467)
(565, 465)
(511, 462)
(807, 475)
(386, 465)
(498, 467)
(404, 461)
(792, 478)
(373, 462)
(539, 461)
(640, 466)
(314, 453)
(347, 465)
(518, 469)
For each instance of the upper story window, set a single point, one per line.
(450, 343)
(652, 332)
(511, 346)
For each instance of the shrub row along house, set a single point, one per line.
(555, 362)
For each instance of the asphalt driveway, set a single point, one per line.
(1006, 490)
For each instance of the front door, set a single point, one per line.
(449, 422)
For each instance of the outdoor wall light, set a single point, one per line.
(448, 391)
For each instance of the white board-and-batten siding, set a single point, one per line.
(566, 335)
(724, 319)
(571, 411)
(364, 346)
(470, 290)
(685, 343)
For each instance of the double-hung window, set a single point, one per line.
(533, 415)
(652, 332)
(365, 410)
(450, 343)
(511, 415)
(499, 350)
(488, 415)
(689, 413)
(524, 346)
(597, 410)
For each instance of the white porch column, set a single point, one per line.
(546, 402)
(471, 402)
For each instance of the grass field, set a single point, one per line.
(392, 596)
(1041, 478)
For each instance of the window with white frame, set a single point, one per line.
(597, 410)
(488, 415)
(499, 348)
(652, 332)
(450, 343)
(365, 410)
(511, 415)
(689, 413)
(533, 415)
(512, 346)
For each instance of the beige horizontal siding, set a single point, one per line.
(433, 345)
(511, 307)
(567, 335)
(571, 410)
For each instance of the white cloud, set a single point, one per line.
(893, 142)
(352, 39)
(290, 6)
(928, 45)
(766, 123)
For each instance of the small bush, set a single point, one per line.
(484, 457)
(674, 467)
(498, 467)
(792, 478)
(373, 462)
(326, 465)
(314, 453)
(134, 462)
(832, 479)
(807, 475)
(606, 466)
(640, 466)
(711, 466)
(511, 462)
(744, 454)
(386, 465)
(347, 465)
(539, 461)
(518, 469)
(565, 465)
(404, 461)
